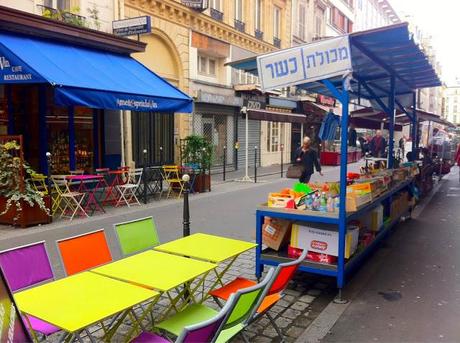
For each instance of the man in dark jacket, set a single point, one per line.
(309, 159)
(378, 145)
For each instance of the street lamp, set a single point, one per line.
(186, 213)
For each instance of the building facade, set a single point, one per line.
(340, 17)
(370, 14)
(452, 103)
(189, 47)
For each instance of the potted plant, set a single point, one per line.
(197, 153)
(20, 203)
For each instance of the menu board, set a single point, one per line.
(12, 328)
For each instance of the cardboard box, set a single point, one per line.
(355, 200)
(323, 241)
(373, 220)
(279, 200)
(276, 232)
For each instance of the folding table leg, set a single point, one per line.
(219, 276)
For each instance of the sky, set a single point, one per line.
(441, 20)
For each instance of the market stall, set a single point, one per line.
(376, 65)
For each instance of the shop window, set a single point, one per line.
(206, 66)
(3, 111)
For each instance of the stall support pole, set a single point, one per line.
(343, 97)
(414, 126)
(43, 145)
(391, 115)
(72, 159)
(9, 99)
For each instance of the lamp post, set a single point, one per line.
(48, 178)
(144, 176)
(186, 213)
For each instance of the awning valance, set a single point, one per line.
(87, 77)
(274, 116)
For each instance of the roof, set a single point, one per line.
(376, 56)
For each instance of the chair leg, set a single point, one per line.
(218, 302)
(277, 329)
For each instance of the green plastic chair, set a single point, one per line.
(242, 308)
(137, 235)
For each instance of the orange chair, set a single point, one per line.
(283, 274)
(83, 252)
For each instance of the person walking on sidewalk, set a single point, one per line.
(457, 160)
(309, 160)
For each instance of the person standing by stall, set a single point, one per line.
(378, 145)
(352, 136)
(308, 158)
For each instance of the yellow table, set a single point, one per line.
(210, 248)
(81, 300)
(162, 272)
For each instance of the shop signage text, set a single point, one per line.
(146, 104)
(325, 100)
(199, 5)
(132, 26)
(219, 99)
(307, 63)
(13, 72)
(254, 102)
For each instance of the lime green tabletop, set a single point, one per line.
(206, 247)
(78, 301)
(155, 270)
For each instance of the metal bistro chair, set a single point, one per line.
(129, 189)
(137, 235)
(172, 178)
(66, 199)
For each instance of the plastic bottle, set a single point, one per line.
(309, 202)
(323, 203)
(336, 204)
(330, 204)
(315, 204)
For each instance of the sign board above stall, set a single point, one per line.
(198, 5)
(305, 63)
(132, 26)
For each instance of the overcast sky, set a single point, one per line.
(441, 20)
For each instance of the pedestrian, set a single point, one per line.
(308, 159)
(457, 160)
(378, 145)
(402, 144)
(352, 135)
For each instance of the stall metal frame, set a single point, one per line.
(387, 68)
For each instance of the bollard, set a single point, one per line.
(225, 162)
(186, 212)
(48, 181)
(282, 149)
(255, 164)
(144, 176)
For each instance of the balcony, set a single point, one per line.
(239, 25)
(277, 42)
(62, 15)
(259, 34)
(216, 14)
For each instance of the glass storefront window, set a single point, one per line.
(3, 111)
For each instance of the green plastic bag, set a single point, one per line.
(301, 187)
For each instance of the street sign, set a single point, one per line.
(199, 5)
(132, 26)
(305, 63)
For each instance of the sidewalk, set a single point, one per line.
(409, 291)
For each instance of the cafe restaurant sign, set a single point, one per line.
(13, 70)
(132, 26)
(305, 63)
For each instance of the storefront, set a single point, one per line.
(214, 118)
(69, 107)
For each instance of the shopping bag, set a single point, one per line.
(295, 171)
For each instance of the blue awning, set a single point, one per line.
(86, 77)
(376, 56)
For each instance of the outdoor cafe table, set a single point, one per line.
(162, 272)
(112, 194)
(91, 201)
(209, 248)
(82, 300)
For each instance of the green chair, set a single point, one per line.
(137, 235)
(243, 306)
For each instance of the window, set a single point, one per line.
(58, 4)
(319, 24)
(339, 21)
(239, 10)
(276, 22)
(273, 132)
(301, 22)
(258, 15)
(455, 109)
(455, 119)
(447, 109)
(206, 66)
(216, 4)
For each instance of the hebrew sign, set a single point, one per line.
(305, 63)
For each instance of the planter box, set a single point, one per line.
(29, 216)
(202, 183)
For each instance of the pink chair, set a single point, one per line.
(26, 266)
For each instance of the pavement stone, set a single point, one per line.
(295, 331)
(314, 292)
(300, 306)
(306, 298)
